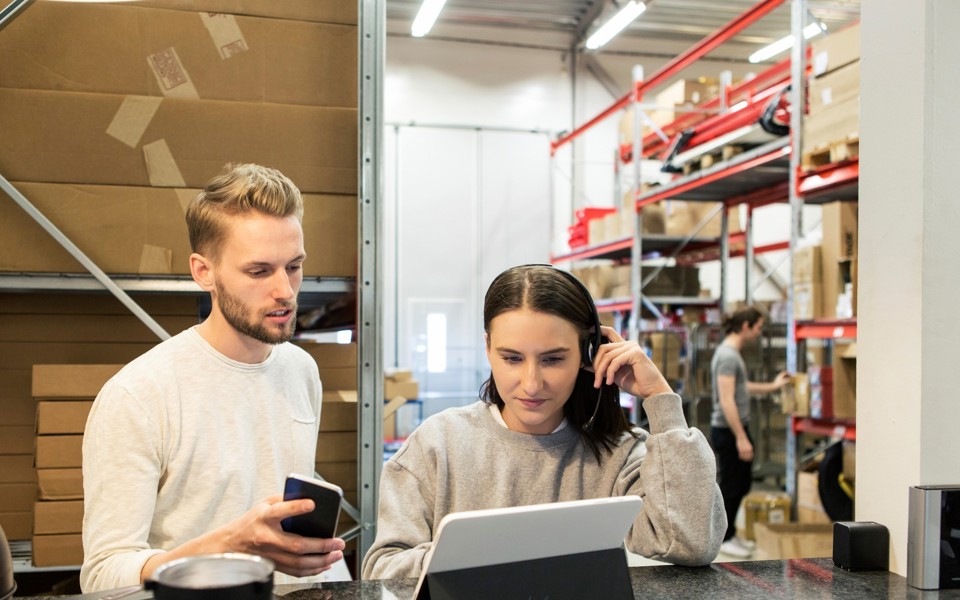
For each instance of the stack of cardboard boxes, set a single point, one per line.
(64, 395)
(831, 131)
(603, 279)
(111, 135)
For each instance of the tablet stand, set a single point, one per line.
(599, 574)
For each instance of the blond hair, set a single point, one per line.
(240, 189)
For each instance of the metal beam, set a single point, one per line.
(11, 10)
(587, 20)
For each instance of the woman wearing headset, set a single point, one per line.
(549, 428)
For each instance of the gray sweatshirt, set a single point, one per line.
(462, 459)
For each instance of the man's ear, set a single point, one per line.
(201, 268)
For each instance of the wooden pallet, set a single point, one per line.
(708, 160)
(833, 152)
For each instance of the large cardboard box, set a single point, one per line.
(18, 411)
(17, 468)
(793, 540)
(178, 54)
(850, 460)
(796, 395)
(332, 355)
(683, 218)
(809, 507)
(60, 484)
(57, 550)
(100, 328)
(343, 474)
(409, 389)
(337, 446)
(58, 517)
(840, 240)
(839, 122)
(71, 381)
(16, 525)
(838, 86)
(339, 378)
(337, 413)
(16, 439)
(807, 300)
(324, 11)
(22, 355)
(14, 384)
(845, 381)
(665, 352)
(110, 139)
(59, 451)
(126, 229)
(17, 497)
(834, 50)
(764, 507)
(807, 264)
(93, 304)
(62, 416)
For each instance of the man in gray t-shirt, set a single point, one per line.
(731, 415)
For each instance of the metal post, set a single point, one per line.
(726, 79)
(748, 256)
(372, 32)
(636, 250)
(798, 83)
(724, 256)
(11, 10)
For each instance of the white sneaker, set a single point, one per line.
(736, 548)
(748, 544)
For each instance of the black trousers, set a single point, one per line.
(734, 476)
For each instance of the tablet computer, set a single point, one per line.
(483, 538)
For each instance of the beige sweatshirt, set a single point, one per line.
(462, 459)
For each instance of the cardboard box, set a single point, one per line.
(809, 507)
(838, 86)
(17, 497)
(58, 517)
(807, 265)
(398, 375)
(20, 411)
(58, 550)
(93, 304)
(834, 50)
(834, 124)
(844, 381)
(796, 396)
(332, 355)
(343, 474)
(337, 446)
(686, 91)
(665, 352)
(16, 525)
(59, 451)
(14, 384)
(62, 416)
(405, 389)
(71, 381)
(807, 300)
(172, 53)
(840, 227)
(339, 378)
(21, 355)
(110, 139)
(850, 460)
(793, 540)
(764, 507)
(99, 328)
(60, 484)
(337, 414)
(17, 468)
(16, 439)
(125, 229)
(324, 11)
(683, 218)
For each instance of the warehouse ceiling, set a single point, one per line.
(665, 29)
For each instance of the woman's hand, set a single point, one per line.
(627, 365)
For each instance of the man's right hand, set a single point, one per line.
(744, 449)
(258, 532)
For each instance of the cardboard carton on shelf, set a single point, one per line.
(16, 525)
(60, 484)
(57, 550)
(834, 50)
(17, 497)
(59, 451)
(111, 139)
(838, 86)
(809, 506)
(16, 439)
(137, 229)
(153, 52)
(71, 381)
(17, 468)
(329, 11)
(771, 508)
(62, 416)
(58, 517)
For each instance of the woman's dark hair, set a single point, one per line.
(545, 289)
(734, 323)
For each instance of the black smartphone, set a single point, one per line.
(321, 522)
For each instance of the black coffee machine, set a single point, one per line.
(933, 537)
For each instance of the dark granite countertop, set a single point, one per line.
(763, 580)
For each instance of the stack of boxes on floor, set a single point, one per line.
(111, 134)
(40, 330)
(64, 395)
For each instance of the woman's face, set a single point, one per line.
(535, 358)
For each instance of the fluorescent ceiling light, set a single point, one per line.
(426, 17)
(630, 11)
(786, 43)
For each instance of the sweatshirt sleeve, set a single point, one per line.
(121, 473)
(405, 519)
(674, 471)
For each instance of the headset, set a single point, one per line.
(592, 345)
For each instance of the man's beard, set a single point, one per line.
(237, 314)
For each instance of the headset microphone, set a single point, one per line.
(589, 424)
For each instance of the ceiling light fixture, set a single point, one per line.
(786, 43)
(426, 17)
(630, 11)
